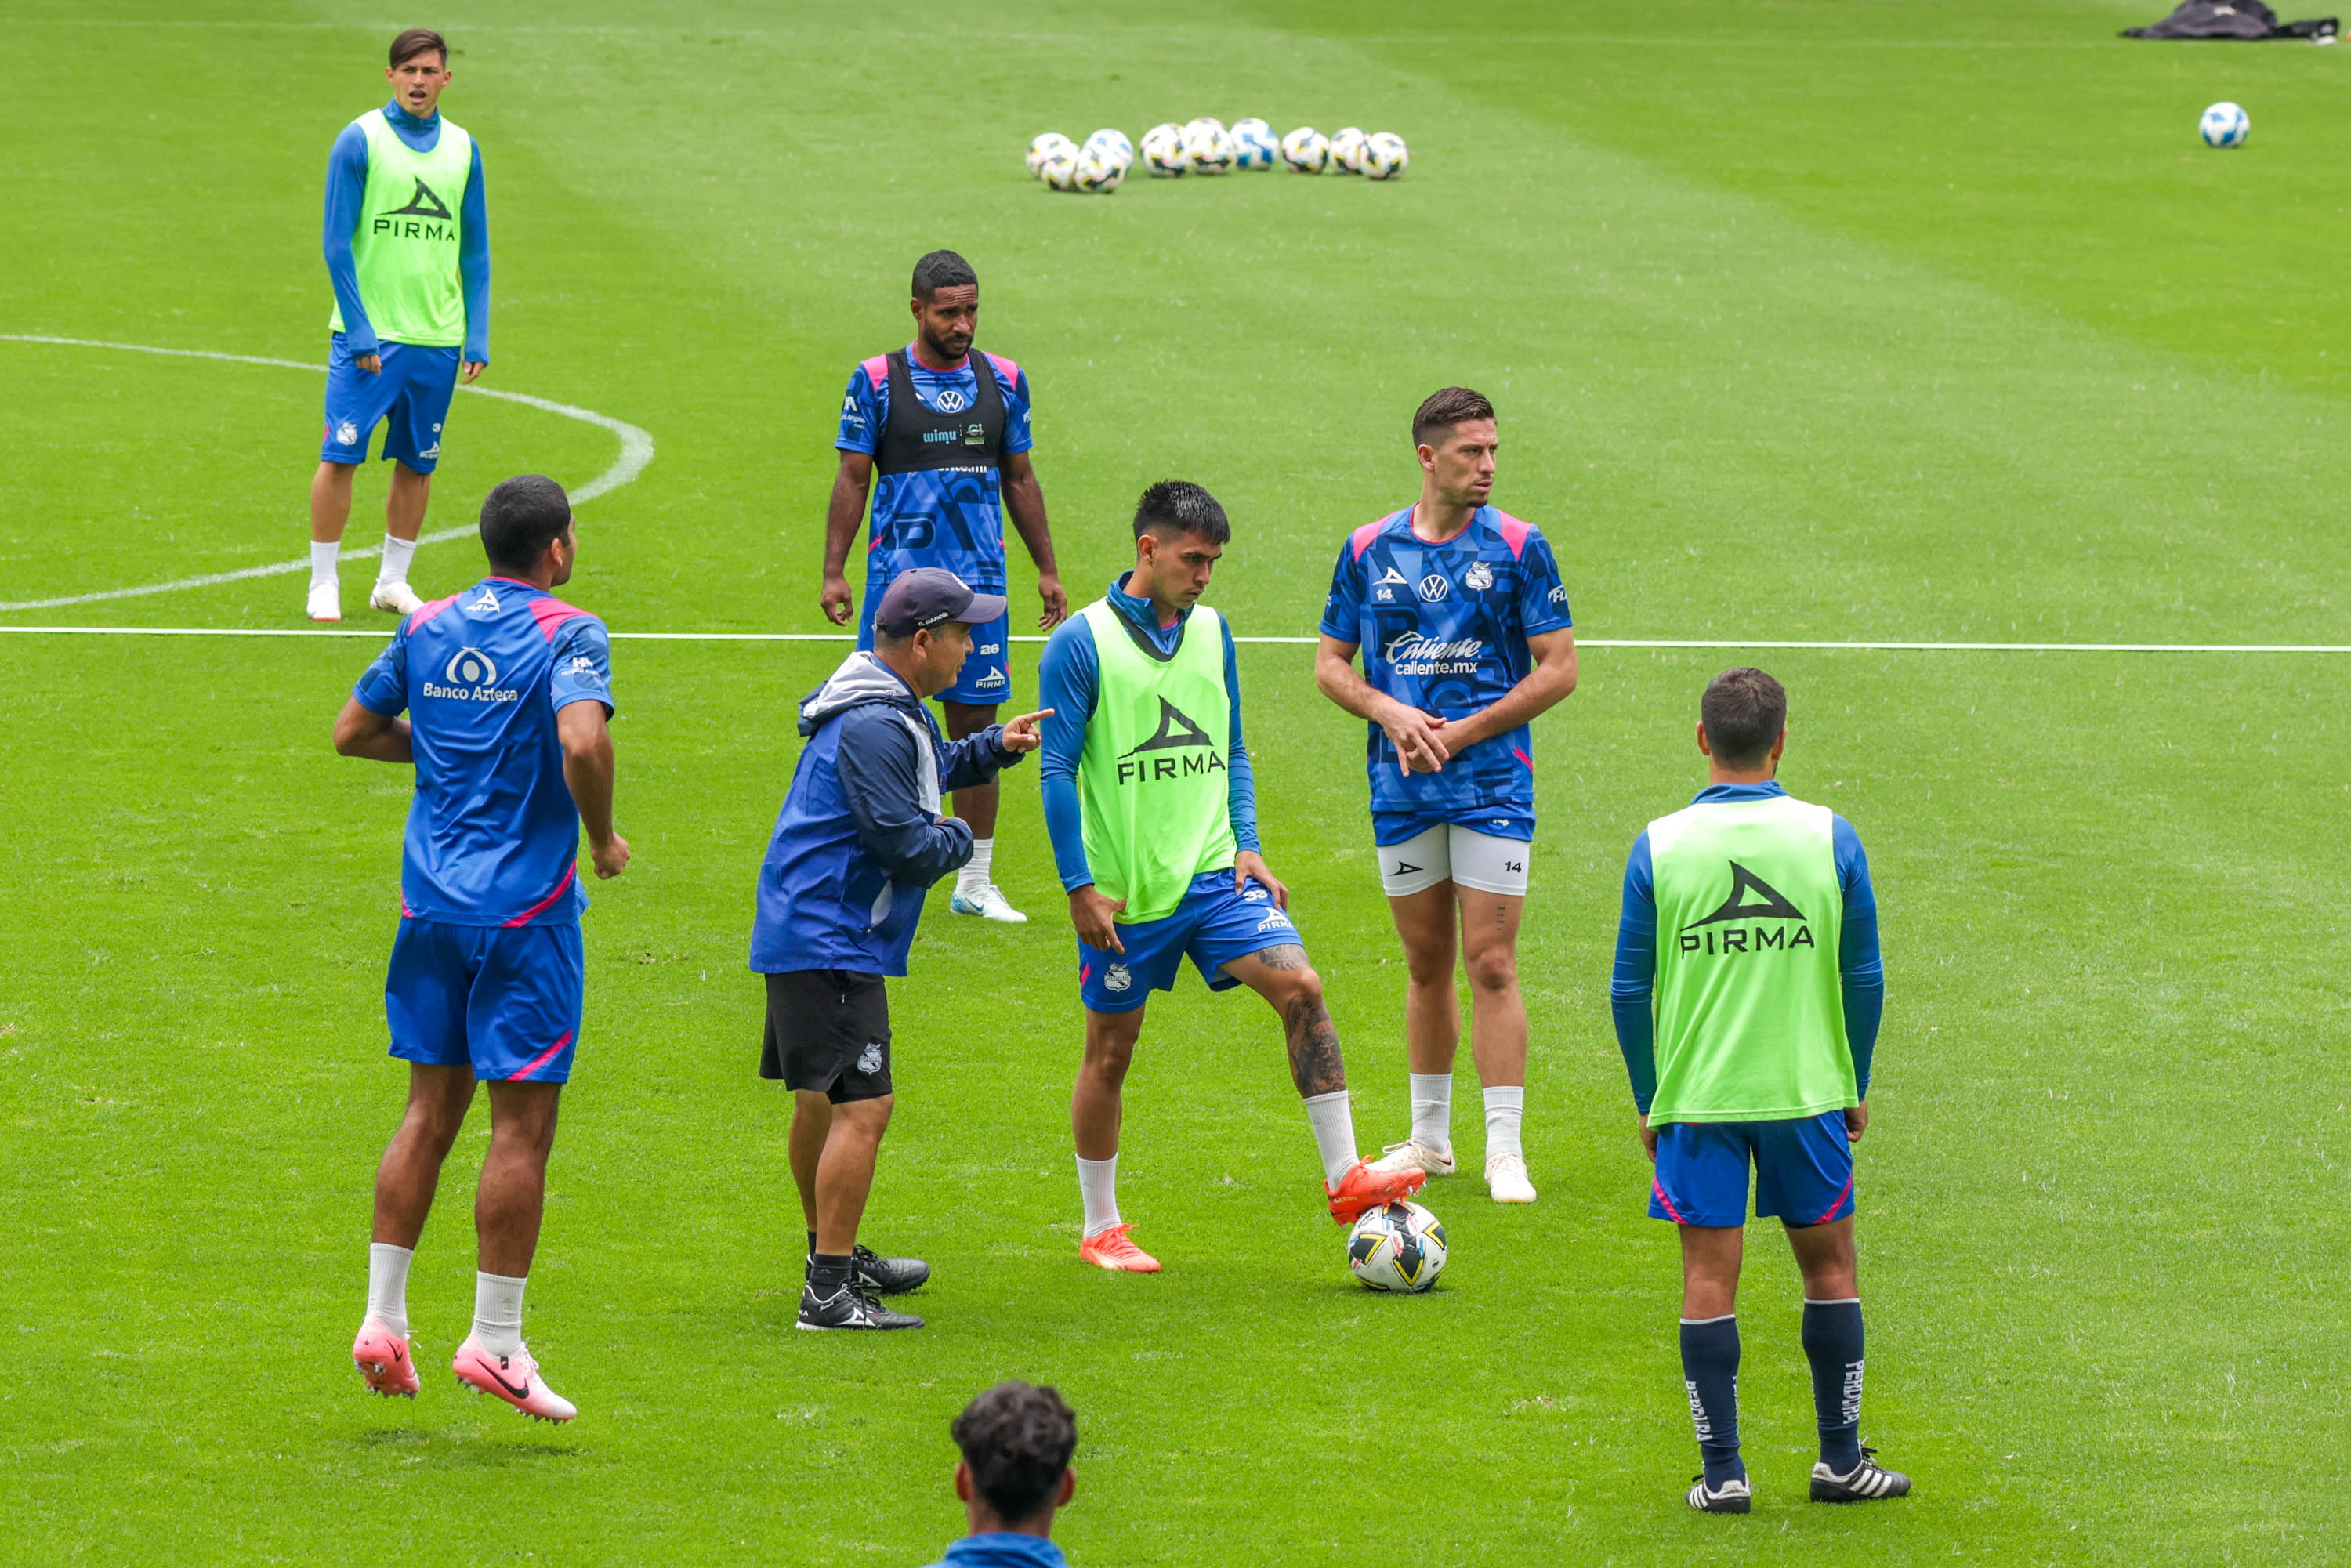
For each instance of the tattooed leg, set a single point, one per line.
(1283, 977)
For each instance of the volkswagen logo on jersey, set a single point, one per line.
(1433, 587)
(950, 401)
(1479, 578)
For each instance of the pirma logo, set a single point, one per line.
(1391, 576)
(427, 216)
(1751, 898)
(1176, 732)
(1433, 587)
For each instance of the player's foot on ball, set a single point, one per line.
(1412, 1154)
(1732, 1496)
(1115, 1250)
(396, 596)
(1506, 1179)
(1364, 1188)
(987, 902)
(1866, 1482)
(849, 1308)
(326, 602)
(383, 1358)
(513, 1378)
(879, 1276)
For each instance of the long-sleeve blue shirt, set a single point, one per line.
(1067, 679)
(1860, 972)
(347, 171)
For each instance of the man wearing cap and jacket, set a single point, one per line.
(859, 842)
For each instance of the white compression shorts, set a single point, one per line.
(1449, 851)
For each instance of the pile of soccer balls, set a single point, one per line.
(1207, 146)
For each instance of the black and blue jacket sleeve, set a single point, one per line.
(880, 766)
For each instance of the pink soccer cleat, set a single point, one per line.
(383, 1358)
(1114, 1250)
(1368, 1186)
(513, 1378)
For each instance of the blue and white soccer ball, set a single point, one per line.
(1112, 140)
(1385, 155)
(2225, 125)
(1162, 152)
(1306, 150)
(1210, 147)
(1043, 147)
(1253, 145)
(1098, 171)
(1397, 1247)
(1347, 148)
(1059, 168)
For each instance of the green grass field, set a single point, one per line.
(1884, 320)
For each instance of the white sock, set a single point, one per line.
(388, 1284)
(1432, 1108)
(1098, 1185)
(322, 562)
(1333, 1120)
(974, 870)
(1505, 1107)
(397, 553)
(497, 1313)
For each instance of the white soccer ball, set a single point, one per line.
(1043, 147)
(1163, 153)
(1099, 170)
(1112, 140)
(1060, 169)
(2225, 125)
(1306, 150)
(1254, 145)
(1202, 126)
(1211, 150)
(1385, 155)
(1397, 1247)
(1347, 151)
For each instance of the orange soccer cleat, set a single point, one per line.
(1364, 1187)
(1115, 1250)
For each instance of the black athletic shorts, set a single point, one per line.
(828, 1033)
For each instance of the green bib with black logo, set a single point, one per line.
(1156, 776)
(1750, 1018)
(404, 251)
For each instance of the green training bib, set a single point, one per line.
(1156, 775)
(404, 250)
(1750, 1018)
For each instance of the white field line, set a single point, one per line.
(636, 451)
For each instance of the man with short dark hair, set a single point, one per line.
(1152, 807)
(1463, 623)
(1014, 1476)
(1747, 997)
(407, 242)
(507, 690)
(857, 844)
(951, 445)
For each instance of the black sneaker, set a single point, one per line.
(848, 1308)
(1866, 1482)
(1731, 1497)
(879, 1276)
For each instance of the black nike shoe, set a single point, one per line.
(1732, 1496)
(848, 1308)
(1867, 1481)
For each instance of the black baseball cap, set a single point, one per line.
(929, 596)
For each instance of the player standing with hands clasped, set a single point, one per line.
(1750, 915)
(949, 434)
(1463, 623)
(408, 252)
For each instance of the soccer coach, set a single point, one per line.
(859, 842)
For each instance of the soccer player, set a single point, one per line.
(507, 690)
(1463, 623)
(1747, 995)
(1152, 811)
(947, 442)
(856, 846)
(408, 253)
(1014, 1478)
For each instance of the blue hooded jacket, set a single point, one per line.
(860, 839)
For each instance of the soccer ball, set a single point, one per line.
(1202, 126)
(1254, 144)
(1114, 141)
(1385, 155)
(1397, 1247)
(1099, 170)
(1306, 150)
(1044, 146)
(1347, 151)
(2225, 125)
(1163, 153)
(1060, 169)
(1210, 149)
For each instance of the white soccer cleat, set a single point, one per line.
(395, 597)
(1506, 1179)
(1412, 1154)
(325, 601)
(988, 903)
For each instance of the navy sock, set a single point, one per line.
(1710, 1371)
(827, 1274)
(811, 1252)
(1832, 1344)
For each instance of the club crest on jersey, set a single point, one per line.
(1435, 587)
(1117, 977)
(869, 1060)
(347, 434)
(1479, 578)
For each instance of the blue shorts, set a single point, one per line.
(504, 1000)
(1213, 926)
(411, 392)
(1803, 1171)
(1391, 828)
(985, 678)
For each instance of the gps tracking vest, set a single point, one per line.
(916, 438)
(1750, 1017)
(1156, 776)
(404, 250)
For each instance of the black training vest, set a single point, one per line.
(914, 438)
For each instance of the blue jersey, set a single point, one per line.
(1443, 627)
(951, 518)
(492, 832)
